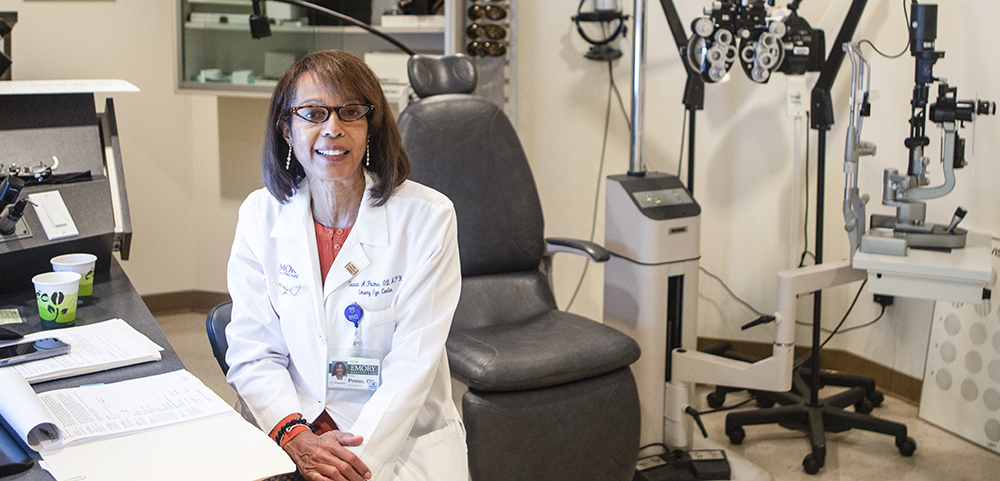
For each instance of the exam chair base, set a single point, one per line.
(795, 411)
(587, 429)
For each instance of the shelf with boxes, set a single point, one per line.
(218, 54)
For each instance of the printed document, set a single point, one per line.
(150, 428)
(67, 417)
(93, 347)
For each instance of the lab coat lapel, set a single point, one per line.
(295, 239)
(369, 230)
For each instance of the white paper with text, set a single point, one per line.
(93, 347)
(68, 417)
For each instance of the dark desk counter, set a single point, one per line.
(114, 296)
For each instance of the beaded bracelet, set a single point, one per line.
(284, 429)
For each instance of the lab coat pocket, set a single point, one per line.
(436, 456)
(377, 331)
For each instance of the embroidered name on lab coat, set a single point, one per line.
(374, 288)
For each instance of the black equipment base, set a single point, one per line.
(795, 410)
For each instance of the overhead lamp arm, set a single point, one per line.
(259, 26)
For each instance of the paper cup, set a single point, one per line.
(56, 294)
(82, 264)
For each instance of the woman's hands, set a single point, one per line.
(324, 457)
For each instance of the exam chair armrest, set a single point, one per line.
(579, 247)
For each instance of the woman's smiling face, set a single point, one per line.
(333, 149)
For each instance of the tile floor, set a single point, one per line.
(851, 455)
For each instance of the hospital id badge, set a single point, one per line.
(355, 369)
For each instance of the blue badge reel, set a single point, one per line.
(354, 368)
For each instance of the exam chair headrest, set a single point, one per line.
(441, 74)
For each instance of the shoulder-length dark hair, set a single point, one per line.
(349, 77)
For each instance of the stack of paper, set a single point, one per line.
(93, 347)
(67, 417)
(164, 427)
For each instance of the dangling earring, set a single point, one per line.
(288, 162)
(368, 153)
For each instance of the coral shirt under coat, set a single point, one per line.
(400, 264)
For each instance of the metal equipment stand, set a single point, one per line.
(802, 408)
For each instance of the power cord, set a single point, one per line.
(849, 309)
(621, 104)
(730, 291)
(600, 172)
(907, 47)
(861, 326)
(650, 445)
(832, 333)
(729, 408)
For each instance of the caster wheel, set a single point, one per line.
(864, 406)
(737, 436)
(876, 398)
(811, 465)
(715, 399)
(907, 446)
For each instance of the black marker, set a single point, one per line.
(955, 219)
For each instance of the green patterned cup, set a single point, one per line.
(56, 294)
(82, 264)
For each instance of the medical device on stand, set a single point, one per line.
(652, 225)
(904, 254)
(905, 193)
(648, 285)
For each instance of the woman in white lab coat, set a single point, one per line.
(342, 260)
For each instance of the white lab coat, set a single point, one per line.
(407, 280)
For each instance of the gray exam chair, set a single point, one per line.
(215, 325)
(550, 394)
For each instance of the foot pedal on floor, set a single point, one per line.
(694, 465)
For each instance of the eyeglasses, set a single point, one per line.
(318, 114)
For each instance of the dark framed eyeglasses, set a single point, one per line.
(318, 114)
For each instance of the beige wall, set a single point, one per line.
(184, 209)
